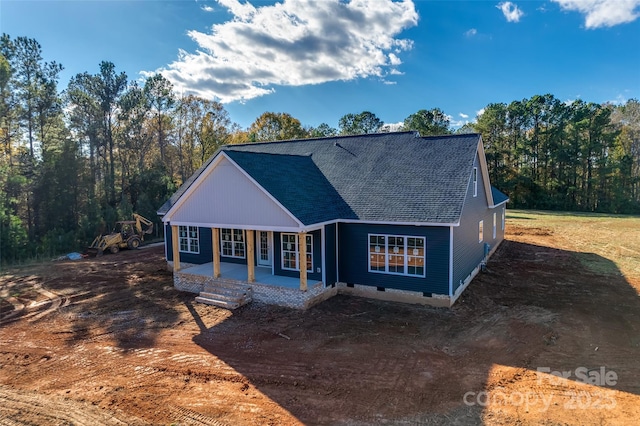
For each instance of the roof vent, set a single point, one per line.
(336, 144)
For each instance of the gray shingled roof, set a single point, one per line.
(388, 177)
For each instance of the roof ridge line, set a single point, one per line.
(324, 138)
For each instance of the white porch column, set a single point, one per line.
(251, 257)
(175, 246)
(215, 240)
(302, 261)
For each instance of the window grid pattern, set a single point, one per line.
(291, 254)
(475, 181)
(264, 246)
(189, 239)
(233, 243)
(398, 255)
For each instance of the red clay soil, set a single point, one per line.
(109, 341)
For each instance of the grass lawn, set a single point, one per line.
(613, 237)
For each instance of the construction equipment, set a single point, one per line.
(126, 234)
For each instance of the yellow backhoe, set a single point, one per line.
(127, 234)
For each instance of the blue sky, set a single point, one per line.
(318, 60)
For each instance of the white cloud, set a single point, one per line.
(207, 8)
(479, 112)
(471, 32)
(510, 11)
(394, 60)
(239, 10)
(603, 13)
(463, 115)
(293, 43)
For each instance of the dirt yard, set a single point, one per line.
(109, 341)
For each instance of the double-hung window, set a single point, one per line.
(475, 181)
(495, 225)
(233, 243)
(291, 252)
(189, 239)
(397, 254)
(481, 231)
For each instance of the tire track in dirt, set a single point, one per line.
(21, 408)
(32, 309)
(192, 418)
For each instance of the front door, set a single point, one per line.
(265, 251)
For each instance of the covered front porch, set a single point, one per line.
(252, 247)
(265, 288)
(239, 272)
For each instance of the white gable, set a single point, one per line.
(226, 196)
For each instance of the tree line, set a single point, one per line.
(74, 161)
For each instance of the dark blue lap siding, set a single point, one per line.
(206, 250)
(330, 254)
(353, 255)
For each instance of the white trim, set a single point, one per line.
(480, 231)
(471, 276)
(451, 261)
(206, 172)
(297, 252)
(405, 255)
(322, 255)
(233, 244)
(306, 228)
(374, 222)
(259, 248)
(267, 193)
(312, 227)
(189, 251)
(482, 159)
(337, 257)
(495, 225)
(243, 227)
(474, 180)
(504, 213)
(209, 169)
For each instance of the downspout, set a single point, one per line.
(337, 263)
(451, 262)
(323, 251)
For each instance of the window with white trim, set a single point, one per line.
(495, 225)
(475, 181)
(480, 231)
(503, 218)
(232, 242)
(189, 239)
(291, 254)
(397, 254)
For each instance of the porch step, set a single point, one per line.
(228, 295)
(223, 296)
(228, 291)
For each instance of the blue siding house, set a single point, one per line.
(393, 216)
